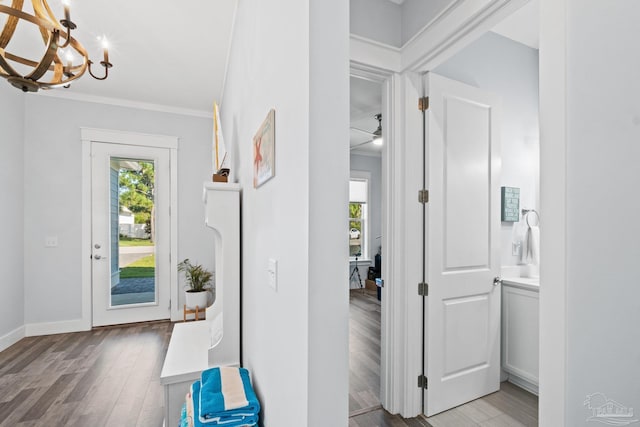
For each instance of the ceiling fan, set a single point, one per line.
(376, 135)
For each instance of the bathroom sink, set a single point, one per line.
(528, 282)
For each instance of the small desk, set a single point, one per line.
(187, 357)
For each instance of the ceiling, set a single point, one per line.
(366, 102)
(523, 25)
(170, 53)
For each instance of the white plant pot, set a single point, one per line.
(193, 299)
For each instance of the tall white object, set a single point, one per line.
(196, 346)
(222, 214)
(462, 322)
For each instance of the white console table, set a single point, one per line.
(196, 346)
(187, 357)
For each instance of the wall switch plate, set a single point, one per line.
(272, 272)
(51, 241)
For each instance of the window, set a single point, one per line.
(358, 195)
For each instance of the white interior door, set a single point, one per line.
(462, 319)
(130, 231)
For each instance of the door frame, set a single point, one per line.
(89, 135)
(401, 70)
(390, 349)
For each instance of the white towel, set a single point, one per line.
(531, 246)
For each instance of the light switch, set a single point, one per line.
(51, 241)
(272, 272)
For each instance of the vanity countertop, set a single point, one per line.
(529, 283)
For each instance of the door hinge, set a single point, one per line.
(423, 103)
(423, 382)
(423, 196)
(423, 289)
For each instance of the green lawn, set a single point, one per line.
(132, 241)
(144, 267)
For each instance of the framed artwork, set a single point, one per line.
(264, 151)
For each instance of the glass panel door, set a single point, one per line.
(133, 260)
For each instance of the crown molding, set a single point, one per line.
(118, 102)
(454, 27)
(371, 53)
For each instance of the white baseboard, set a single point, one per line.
(51, 328)
(11, 338)
(522, 383)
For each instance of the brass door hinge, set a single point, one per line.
(423, 382)
(423, 196)
(423, 103)
(423, 289)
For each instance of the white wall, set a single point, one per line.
(11, 214)
(52, 201)
(510, 70)
(379, 20)
(295, 338)
(603, 148)
(373, 165)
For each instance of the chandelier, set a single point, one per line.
(57, 65)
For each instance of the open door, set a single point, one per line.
(462, 257)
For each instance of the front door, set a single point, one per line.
(130, 227)
(462, 257)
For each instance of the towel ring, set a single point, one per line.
(527, 216)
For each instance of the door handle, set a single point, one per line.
(99, 257)
(497, 281)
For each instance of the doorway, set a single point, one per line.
(404, 68)
(365, 244)
(128, 229)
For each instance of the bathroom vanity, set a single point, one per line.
(520, 330)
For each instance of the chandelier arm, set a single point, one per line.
(8, 69)
(106, 66)
(47, 58)
(42, 11)
(10, 25)
(44, 23)
(21, 60)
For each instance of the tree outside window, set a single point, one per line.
(358, 193)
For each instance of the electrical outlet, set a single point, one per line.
(51, 241)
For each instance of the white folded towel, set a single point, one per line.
(531, 246)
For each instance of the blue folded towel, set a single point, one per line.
(225, 397)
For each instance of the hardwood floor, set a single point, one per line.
(106, 377)
(110, 377)
(364, 365)
(509, 407)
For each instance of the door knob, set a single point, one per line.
(497, 281)
(97, 257)
(97, 246)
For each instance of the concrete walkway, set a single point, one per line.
(130, 254)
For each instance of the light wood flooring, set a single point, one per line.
(110, 377)
(105, 377)
(509, 407)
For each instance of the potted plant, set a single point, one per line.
(198, 283)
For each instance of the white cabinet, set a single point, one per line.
(520, 333)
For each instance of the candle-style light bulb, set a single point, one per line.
(68, 56)
(105, 49)
(67, 12)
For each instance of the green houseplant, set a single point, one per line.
(198, 283)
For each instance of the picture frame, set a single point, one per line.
(264, 150)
